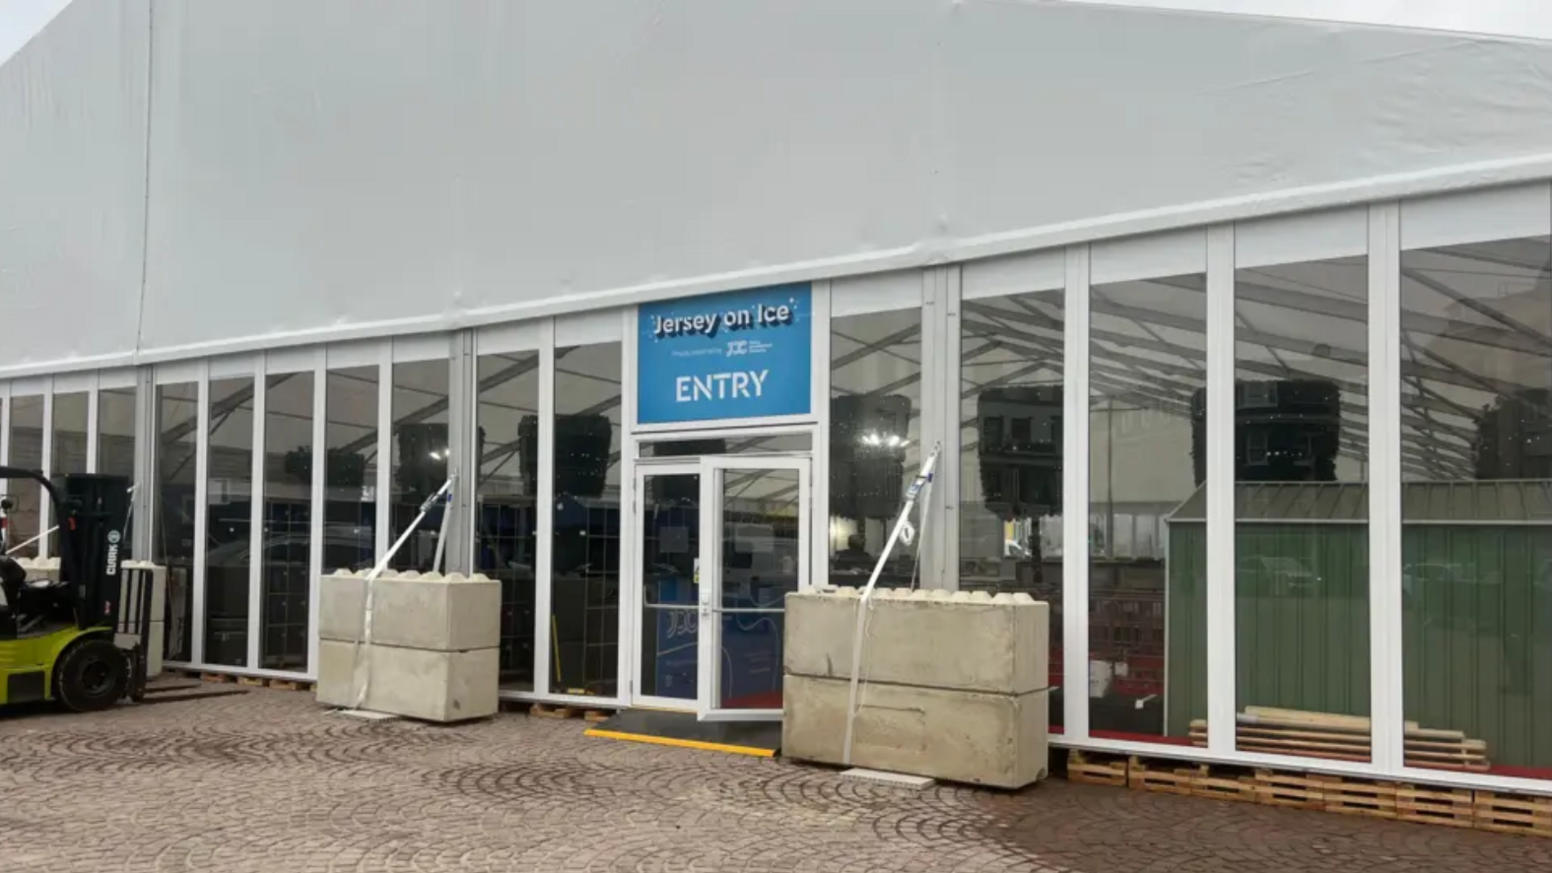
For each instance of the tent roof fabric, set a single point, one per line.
(1497, 501)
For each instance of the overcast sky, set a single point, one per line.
(21, 19)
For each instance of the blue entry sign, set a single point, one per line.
(743, 354)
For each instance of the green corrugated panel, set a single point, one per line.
(1477, 629)
(1186, 680)
(1477, 636)
(1302, 617)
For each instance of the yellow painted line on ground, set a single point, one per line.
(683, 744)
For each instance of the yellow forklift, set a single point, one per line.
(79, 640)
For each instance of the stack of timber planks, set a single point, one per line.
(1345, 738)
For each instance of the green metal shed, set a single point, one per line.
(1476, 617)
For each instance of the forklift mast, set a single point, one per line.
(97, 508)
(92, 511)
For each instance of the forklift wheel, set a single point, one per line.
(92, 675)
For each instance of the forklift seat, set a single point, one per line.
(12, 578)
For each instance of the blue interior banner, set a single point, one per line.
(742, 354)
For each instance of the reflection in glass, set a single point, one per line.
(1301, 539)
(585, 577)
(507, 436)
(24, 521)
(287, 556)
(420, 454)
(760, 565)
(1010, 486)
(1147, 530)
(1476, 506)
(670, 554)
(228, 521)
(875, 452)
(350, 471)
(172, 543)
(67, 446)
(116, 440)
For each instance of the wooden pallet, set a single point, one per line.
(1508, 814)
(1451, 807)
(546, 710)
(1356, 796)
(1162, 777)
(1226, 782)
(290, 685)
(1093, 768)
(217, 677)
(1289, 790)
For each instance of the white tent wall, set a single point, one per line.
(72, 188)
(329, 170)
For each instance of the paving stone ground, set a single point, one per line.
(270, 782)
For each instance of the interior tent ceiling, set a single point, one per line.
(324, 170)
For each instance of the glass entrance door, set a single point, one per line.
(752, 554)
(668, 558)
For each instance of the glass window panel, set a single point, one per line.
(1010, 486)
(228, 521)
(116, 440)
(1301, 534)
(350, 472)
(670, 611)
(420, 454)
(24, 520)
(875, 452)
(585, 579)
(172, 543)
(287, 557)
(1476, 506)
(1147, 532)
(507, 440)
(67, 446)
(760, 567)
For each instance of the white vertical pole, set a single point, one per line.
(1385, 643)
(629, 588)
(930, 418)
(1075, 498)
(256, 488)
(315, 567)
(1221, 655)
(92, 394)
(951, 463)
(45, 504)
(545, 501)
(384, 487)
(820, 374)
(5, 424)
(201, 511)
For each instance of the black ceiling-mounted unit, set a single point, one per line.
(1514, 437)
(868, 441)
(422, 460)
(682, 489)
(1020, 450)
(1286, 430)
(582, 447)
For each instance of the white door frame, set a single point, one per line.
(713, 474)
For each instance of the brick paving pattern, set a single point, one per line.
(270, 782)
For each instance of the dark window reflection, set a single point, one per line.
(1476, 538)
(506, 523)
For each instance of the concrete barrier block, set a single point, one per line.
(960, 736)
(446, 614)
(964, 640)
(416, 683)
(341, 602)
